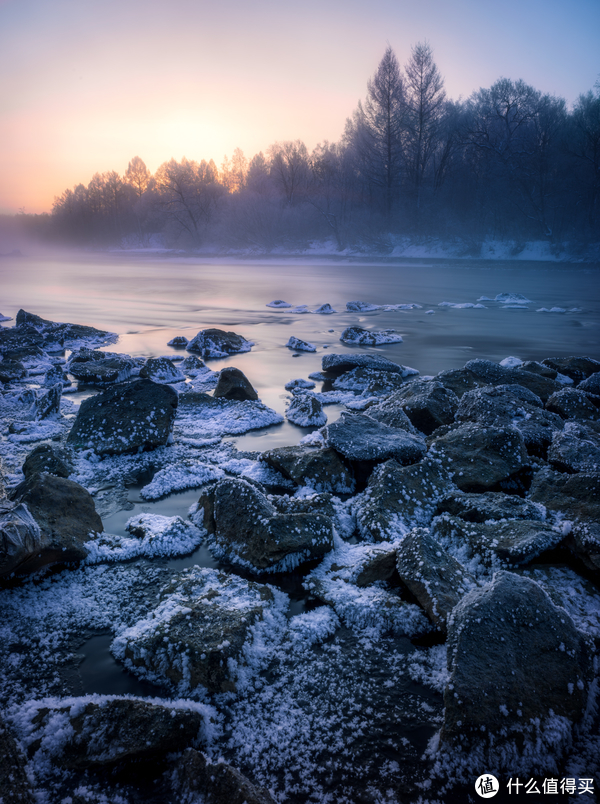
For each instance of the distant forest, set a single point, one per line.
(509, 163)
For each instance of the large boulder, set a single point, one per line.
(459, 381)
(489, 505)
(91, 367)
(200, 636)
(251, 532)
(576, 497)
(233, 384)
(436, 579)
(218, 343)
(128, 417)
(46, 458)
(321, 469)
(48, 521)
(481, 458)
(577, 368)
(337, 364)
(517, 663)
(428, 404)
(542, 385)
(360, 438)
(576, 448)
(161, 370)
(216, 782)
(398, 498)
(571, 403)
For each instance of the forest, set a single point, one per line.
(508, 163)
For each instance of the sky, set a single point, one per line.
(87, 85)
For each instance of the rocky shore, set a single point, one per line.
(407, 599)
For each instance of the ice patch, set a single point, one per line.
(512, 298)
(300, 345)
(511, 362)
(179, 477)
(278, 304)
(299, 383)
(325, 309)
(156, 536)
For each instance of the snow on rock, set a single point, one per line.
(161, 370)
(153, 535)
(462, 305)
(361, 307)
(314, 627)
(306, 410)
(302, 308)
(179, 477)
(325, 309)
(178, 342)
(213, 343)
(300, 345)
(299, 383)
(512, 298)
(511, 362)
(201, 416)
(278, 304)
(5, 317)
(365, 337)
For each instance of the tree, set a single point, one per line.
(584, 146)
(375, 133)
(137, 176)
(290, 169)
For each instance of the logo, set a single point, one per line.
(487, 786)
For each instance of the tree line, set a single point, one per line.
(507, 163)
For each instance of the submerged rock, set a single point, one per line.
(233, 384)
(321, 469)
(218, 343)
(132, 416)
(366, 337)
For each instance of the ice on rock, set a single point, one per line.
(325, 309)
(306, 410)
(302, 308)
(361, 307)
(5, 317)
(179, 477)
(299, 383)
(278, 304)
(152, 535)
(512, 298)
(300, 345)
(511, 362)
(462, 305)
(365, 337)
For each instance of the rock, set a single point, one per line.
(299, 382)
(218, 343)
(538, 383)
(369, 381)
(17, 339)
(325, 309)
(428, 404)
(398, 498)
(306, 410)
(192, 366)
(488, 372)
(107, 729)
(360, 438)
(161, 370)
(338, 364)
(576, 448)
(577, 368)
(48, 459)
(63, 336)
(366, 337)
(510, 541)
(300, 345)
(591, 385)
(389, 412)
(200, 635)
(506, 405)
(216, 783)
(459, 381)
(249, 530)
(517, 662)
(584, 542)
(279, 304)
(434, 577)
(55, 375)
(49, 522)
(490, 505)
(233, 384)
(481, 458)
(91, 367)
(321, 469)
(14, 782)
(132, 416)
(11, 370)
(534, 367)
(571, 403)
(575, 496)
(361, 307)
(178, 342)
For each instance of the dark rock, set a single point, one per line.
(300, 346)
(577, 368)
(233, 384)
(216, 783)
(368, 337)
(480, 458)
(591, 385)
(390, 413)
(459, 381)
(15, 340)
(125, 418)
(584, 542)
(370, 381)
(576, 448)
(435, 578)
(571, 403)
(538, 383)
(488, 372)
(250, 531)
(49, 522)
(338, 364)
(397, 498)
(192, 365)
(321, 469)
(489, 505)
(306, 410)
(161, 370)
(516, 662)
(91, 367)
(11, 370)
(575, 496)
(218, 343)
(428, 404)
(112, 730)
(360, 438)
(14, 783)
(511, 541)
(194, 640)
(48, 459)
(64, 335)
(178, 342)
(56, 375)
(534, 367)
(47, 403)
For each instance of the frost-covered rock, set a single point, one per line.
(368, 381)
(576, 448)
(200, 416)
(459, 381)
(11, 370)
(207, 633)
(46, 458)
(571, 403)
(507, 541)
(300, 346)
(481, 458)
(132, 416)
(13, 776)
(153, 535)
(234, 385)
(279, 304)
(367, 337)
(518, 667)
(398, 498)
(538, 383)
(436, 579)
(195, 776)
(306, 410)
(390, 413)
(325, 309)
(359, 438)
(57, 336)
(178, 342)
(512, 298)
(299, 383)
(361, 307)
(100, 730)
(211, 343)
(249, 530)
(489, 505)
(337, 364)
(54, 375)
(577, 368)
(48, 522)
(192, 366)
(321, 469)
(428, 404)
(161, 370)
(91, 367)
(591, 385)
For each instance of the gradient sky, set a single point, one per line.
(86, 85)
